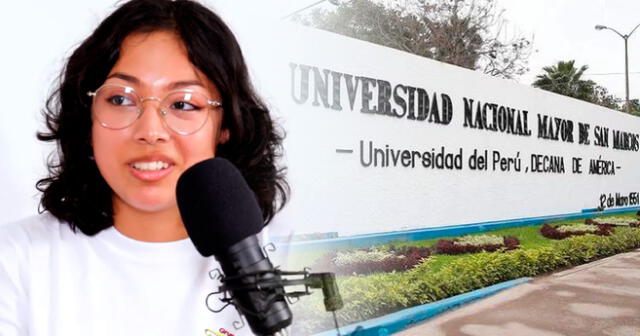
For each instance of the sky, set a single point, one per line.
(564, 30)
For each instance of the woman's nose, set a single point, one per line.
(150, 127)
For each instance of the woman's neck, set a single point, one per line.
(158, 226)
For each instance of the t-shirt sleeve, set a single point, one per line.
(12, 292)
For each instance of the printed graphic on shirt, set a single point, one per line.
(220, 332)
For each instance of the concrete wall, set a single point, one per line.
(531, 166)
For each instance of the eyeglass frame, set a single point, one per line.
(163, 112)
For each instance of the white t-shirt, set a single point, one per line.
(55, 282)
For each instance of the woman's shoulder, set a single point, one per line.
(31, 230)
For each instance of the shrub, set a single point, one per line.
(411, 252)
(479, 240)
(511, 243)
(476, 243)
(372, 260)
(619, 221)
(360, 256)
(565, 231)
(577, 228)
(366, 297)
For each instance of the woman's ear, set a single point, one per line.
(224, 135)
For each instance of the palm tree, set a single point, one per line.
(564, 78)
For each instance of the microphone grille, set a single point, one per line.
(217, 206)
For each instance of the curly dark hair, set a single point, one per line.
(75, 191)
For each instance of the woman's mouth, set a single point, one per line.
(150, 171)
(150, 166)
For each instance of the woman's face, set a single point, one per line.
(142, 163)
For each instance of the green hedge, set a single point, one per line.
(366, 297)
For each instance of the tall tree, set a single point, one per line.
(564, 78)
(634, 107)
(467, 33)
(601, 96)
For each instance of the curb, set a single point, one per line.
(394, 322)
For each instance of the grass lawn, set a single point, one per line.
(529, 237)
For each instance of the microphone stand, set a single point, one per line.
(275, 279)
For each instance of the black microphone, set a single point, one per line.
(222, 217)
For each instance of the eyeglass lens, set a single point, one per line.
(118, 107)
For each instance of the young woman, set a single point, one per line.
(159, 86)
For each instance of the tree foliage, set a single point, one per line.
(566, 79)
(634, 107)
(467, 33)
(601, 96)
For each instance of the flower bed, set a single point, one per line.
(371, 260)
(379, 294)
(618, 221)
(565, 231)
(476, 243)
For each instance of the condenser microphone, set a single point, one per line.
(222, 217)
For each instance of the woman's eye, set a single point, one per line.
(119, 100)
(183, 106)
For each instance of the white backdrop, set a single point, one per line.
(332, 191)
(36, 37)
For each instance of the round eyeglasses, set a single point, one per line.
(183, 111)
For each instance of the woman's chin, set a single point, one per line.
(148, 204)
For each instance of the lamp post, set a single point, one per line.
(626, 60)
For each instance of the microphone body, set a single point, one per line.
(222, 217)
(247, 268)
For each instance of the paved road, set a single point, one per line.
(600, 298)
